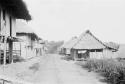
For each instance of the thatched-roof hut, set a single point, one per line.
(32, 45)
(92, 47)
(66, 47)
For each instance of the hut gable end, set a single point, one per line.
(88, 41)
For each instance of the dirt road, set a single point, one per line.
(51, 69)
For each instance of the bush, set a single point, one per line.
(112, 70)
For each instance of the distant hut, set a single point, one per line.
(88, 46)
(10, 10)
(66, 47)
(62, 49)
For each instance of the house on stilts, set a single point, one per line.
(88, 46)
(10, 10)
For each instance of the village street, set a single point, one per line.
(51, 69)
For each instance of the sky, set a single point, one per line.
(62, 19)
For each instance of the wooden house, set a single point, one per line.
(30, 46)
(10, 10)
(88, 46)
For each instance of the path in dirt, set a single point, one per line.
(54, 70)
(51, 69)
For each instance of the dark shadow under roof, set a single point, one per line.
(16, 8)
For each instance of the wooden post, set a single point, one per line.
(10, 43)
(0, 57)
(10, 51)
(4, 51)
(96, 56)
(3, 14)
(75, 54)
(1, 36)
(20, 48)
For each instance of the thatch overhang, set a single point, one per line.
(16, 8)
(112, 45)
(14, 39)
(33, 36)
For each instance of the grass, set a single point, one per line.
(112, 70)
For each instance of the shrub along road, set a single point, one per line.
(51, 69)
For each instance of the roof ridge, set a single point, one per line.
(97, 39)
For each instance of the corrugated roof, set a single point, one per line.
(88, 41)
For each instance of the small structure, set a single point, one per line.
(66, 47)
(88, 46)
(10, 10)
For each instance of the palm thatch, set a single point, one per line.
(16, 8)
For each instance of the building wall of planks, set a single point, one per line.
(103, 54)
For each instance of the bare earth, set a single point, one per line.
(48, 69)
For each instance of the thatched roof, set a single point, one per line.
(22, 29)
(71, 43)
(16, 8)
(112, 45)
(88, 41)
